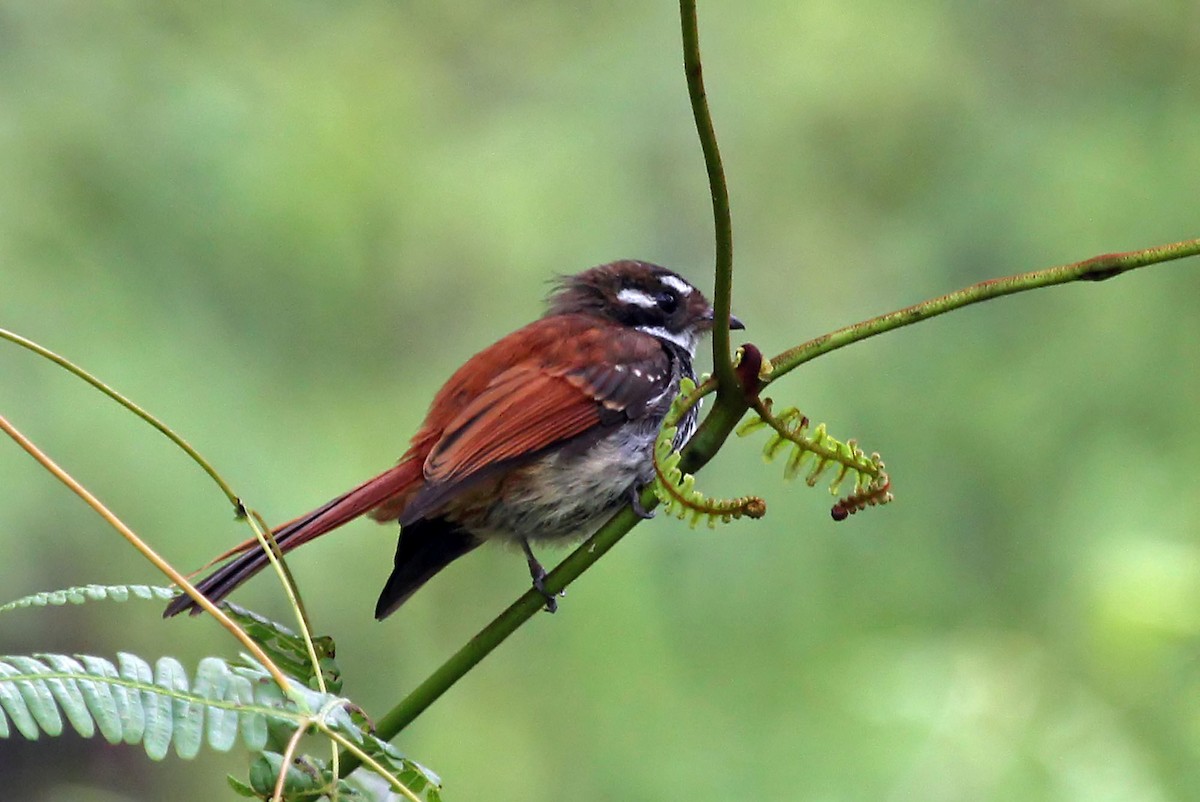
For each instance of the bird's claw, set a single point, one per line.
(635, 501)
(540, 586)
(538, 574)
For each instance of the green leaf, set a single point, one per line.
(12, 702)
(305, 779)
(69, 695)
(131, 670)
(677, 490)
(36, 694)
(213, 681)
(818, 451)
(159, 723)
(108, 703)
(240, 788)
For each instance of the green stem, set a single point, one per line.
(1097, 268)
(722, 222)
(65, 363)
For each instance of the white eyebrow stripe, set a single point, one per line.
(676, 283)
(636, 297)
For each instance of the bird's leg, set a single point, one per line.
(635, 501)
(538, 574)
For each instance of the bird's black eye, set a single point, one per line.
(667, 301)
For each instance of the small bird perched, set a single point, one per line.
(542, 436)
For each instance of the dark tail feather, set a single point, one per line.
(251, 558)
(425, 547)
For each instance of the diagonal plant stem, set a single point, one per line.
(149, 553)
(1098, 268)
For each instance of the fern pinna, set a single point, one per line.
(818, 451)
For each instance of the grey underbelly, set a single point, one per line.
(568, 496)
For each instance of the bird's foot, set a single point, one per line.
(635, 501)
(538, 574)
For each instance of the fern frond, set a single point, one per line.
(816, 452)
(676, 489)
(86, 593)
(130, 702)
(284, 646)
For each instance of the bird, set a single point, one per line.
(540, 437)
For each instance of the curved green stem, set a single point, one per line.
(261, 530)
(150, 554)
(722, 222)
(71, 367)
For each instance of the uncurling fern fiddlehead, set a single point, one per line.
(676, 489)
(818, 451)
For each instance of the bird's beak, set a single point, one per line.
(734, 321)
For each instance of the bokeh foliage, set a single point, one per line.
(280, 226)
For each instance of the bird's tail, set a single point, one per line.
(426, 546)
(249, 558)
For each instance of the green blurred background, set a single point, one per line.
(279, 226)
